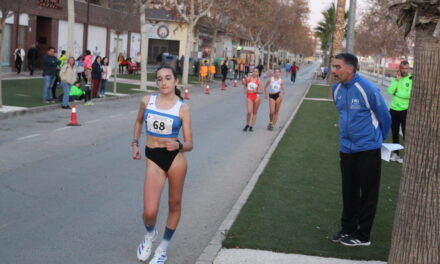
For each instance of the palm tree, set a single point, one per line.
(324, 30)
(416, 229)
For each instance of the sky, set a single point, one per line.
(317, 6)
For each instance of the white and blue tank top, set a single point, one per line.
(162, 123)
(275, 86)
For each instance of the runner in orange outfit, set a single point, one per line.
(203, 73)
(252, 89)
(212, 72)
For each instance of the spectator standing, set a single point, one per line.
(137, 60)
(63, 58)
(121, 61)
(400, 89)
(31, 58)
(235, 69)
(68, 78)
(241, 69)
(19, 58)
(50, 64)
(57, 79)
(212, 72)
(260, 68)
(88, 67)
(80, 69)
(106, 73)
(288, 66)
(364, 122)
(293, 70)
(224, 70)
(96, 76)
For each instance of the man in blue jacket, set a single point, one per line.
(364, 122)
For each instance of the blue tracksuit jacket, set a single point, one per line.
(364, 119)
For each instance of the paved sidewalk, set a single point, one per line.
(248, 256)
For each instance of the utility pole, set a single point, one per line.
(351, 27)
(70, 27)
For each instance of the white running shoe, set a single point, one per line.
(394, 157)
(144, 250)
(400, 160)
(160, 256)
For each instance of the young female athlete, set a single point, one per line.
(252, 89)
(164, 114)
(276, 92)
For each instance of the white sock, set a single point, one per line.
(164, 244)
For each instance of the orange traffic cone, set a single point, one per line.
(235, 83)
(207, 91)
(186, 97)
(73, 121)
(223, 86)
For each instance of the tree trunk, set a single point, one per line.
(187, 53)
(144, 47)
(70, 27)
(214, 43)
(2, 24)
(268, 58)
(339, 27)
(416, 229)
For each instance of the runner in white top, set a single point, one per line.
(276, 92)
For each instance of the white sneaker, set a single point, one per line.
(160, 256)
(400, 160)
(144, 249)
(394, 157)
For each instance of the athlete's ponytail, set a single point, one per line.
(176, 90)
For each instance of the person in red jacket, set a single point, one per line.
(293, 70)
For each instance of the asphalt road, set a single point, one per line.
(74, 195)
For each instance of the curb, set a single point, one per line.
(45, 108)
(211, 251)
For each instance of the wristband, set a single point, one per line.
(135, 142)
(180, 144)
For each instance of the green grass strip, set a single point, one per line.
(318, 91)
(297, 202)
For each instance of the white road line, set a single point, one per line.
(92, 121)
(114, 116)
(132, 112)
(63, 128)
(30, 136)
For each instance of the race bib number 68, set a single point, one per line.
(159, 124)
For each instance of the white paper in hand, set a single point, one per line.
(387, 149)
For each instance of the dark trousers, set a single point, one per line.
(224, 77)
(31, 66)
(398, 119)
(95, 88)
(18, 63)
(293, 76)
(360, 191)
(55, 85)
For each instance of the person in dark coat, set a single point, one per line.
(96, 75)
(31, 58)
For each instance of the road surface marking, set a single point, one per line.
(92, 121)
(63, 128)
(30, 136)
